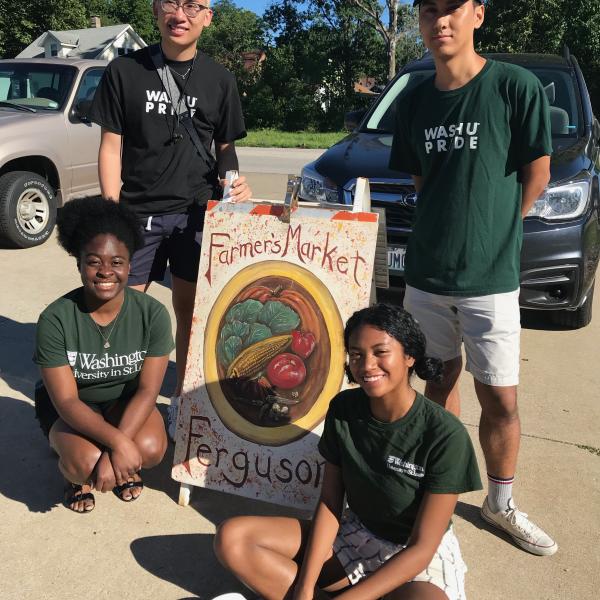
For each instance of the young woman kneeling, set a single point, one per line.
(103, 350)
(401, 461)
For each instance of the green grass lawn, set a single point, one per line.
(273, 138)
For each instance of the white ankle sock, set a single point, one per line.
(499, 492)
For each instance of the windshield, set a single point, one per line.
(559, 85)
(35, 85)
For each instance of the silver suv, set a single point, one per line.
(48, 147)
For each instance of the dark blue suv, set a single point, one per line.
(561, 237)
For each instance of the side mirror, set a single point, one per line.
(352, 119)
(82, 110)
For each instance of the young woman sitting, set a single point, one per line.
(398, 458)
(103, 350)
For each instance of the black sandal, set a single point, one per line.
(119, 489)
(78, 496)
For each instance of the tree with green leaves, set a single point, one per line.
(354, 50)
(399, 28)
(138, 13)
(316, 52)
(58, 15)
(232, 33)
(18, 28)
(523, 26)
(546, 26)
(23, 23)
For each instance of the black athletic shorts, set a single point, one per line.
(173, 239)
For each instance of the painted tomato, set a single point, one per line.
(303, 343)
(286, 371)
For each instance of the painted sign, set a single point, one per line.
(266, 352)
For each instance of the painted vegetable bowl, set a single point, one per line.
(274, 352)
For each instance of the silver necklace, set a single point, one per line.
(175, 135)
(184, 75)
(106, 338)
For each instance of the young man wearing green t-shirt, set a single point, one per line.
(476, 140)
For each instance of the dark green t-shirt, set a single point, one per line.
(387, 467)
(66, 335)
(469, 144)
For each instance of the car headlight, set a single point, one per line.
(562, 201)
(316, 188)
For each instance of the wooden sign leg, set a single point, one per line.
(185, 493)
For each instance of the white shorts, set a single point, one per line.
(361, 553)
(490, 327)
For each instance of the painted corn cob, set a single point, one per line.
(255, 358)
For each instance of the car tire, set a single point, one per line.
(576, 319)
(27, 209)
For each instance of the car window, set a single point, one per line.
(39, 86)
(384, 115)
(88, 85)
(560, 87)
(559, 84)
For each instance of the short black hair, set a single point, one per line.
(79, 221)
(399, 324)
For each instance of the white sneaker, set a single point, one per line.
(525, 534)
(172, 411)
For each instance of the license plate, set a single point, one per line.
(396, 258)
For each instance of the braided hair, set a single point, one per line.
(400, 325)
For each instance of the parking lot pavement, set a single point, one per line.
(155, 549)
(275, 160)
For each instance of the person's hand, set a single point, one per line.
(104, 474)
(126, 460)
(240, 190)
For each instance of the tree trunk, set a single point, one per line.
(393, 42)
(392, 37)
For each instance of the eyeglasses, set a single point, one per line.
(190, 9)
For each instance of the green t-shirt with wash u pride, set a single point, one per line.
(67, 335)
(468, 145)
(387, 467)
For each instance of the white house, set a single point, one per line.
(103, 43)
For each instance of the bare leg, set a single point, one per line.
(184, 296)
(151, 441)
(264, 554)
(446, 393)
(417, 590)
(499, 428)
(77, 458)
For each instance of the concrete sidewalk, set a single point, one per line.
(155, 549)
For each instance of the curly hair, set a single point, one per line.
(399, 324)
(82, 219)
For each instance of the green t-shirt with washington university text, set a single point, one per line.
(387, 467)
(468, 145)
(67, 335)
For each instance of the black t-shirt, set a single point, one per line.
(161, 176)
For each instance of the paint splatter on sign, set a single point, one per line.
(266, 351)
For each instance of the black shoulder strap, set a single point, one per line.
(181, 108)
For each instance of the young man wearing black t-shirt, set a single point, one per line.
(144, 145)
(476, 139)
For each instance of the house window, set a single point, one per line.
(53, 49)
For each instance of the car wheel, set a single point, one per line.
(576, 319)
(27, 209)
